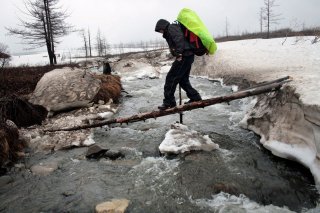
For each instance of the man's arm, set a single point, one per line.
(178, 38)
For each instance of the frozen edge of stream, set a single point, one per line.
(288, 127)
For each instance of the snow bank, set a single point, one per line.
(268, 59)
(287, 121)
(180, 139)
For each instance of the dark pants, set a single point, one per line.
(179, 74)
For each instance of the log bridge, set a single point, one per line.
(257, 89)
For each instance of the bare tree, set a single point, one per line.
(105, 46)
(85, 43)
(44, 25)
(227, 27)
(89, 40)
(99, 47)
(102, 45)
(4, 55)
(269, 14)
(261, 19)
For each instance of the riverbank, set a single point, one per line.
(288, 121)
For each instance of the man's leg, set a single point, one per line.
(170, 85)
(173, 78)
(185, 84)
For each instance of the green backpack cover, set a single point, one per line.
(194, 24)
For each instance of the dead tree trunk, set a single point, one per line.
(266, 87)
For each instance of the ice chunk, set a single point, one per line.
(180, 139)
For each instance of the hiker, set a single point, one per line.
(180, 70)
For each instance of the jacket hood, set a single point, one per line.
(162, 24)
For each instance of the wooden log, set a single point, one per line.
(181, 108)
(267, 83)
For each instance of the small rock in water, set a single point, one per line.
(68, 193)
(4, 180)
(96, 152)
(113, 206)
(44, 170)
(113, 154)
(229, 188)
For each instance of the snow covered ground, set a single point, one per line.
(63, 56)
(288, 122)
(268, 59)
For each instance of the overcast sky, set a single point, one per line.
(134, 20)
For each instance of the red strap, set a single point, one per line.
(186, 33)
(194, 38)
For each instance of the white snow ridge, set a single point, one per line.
(180, 139)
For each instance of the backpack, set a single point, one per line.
(196, 33)
(194, 41)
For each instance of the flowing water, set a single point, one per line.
(241, 176)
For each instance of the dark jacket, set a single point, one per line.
(174, 36)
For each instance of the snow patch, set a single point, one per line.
(106, 115)
(180, 139)
(88, 142)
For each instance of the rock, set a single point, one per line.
(68, 193)
(113, 206)
(63, 89)
(113, 154)
(96, 152)
(229, 188)
(44, 170)
(4, 180)
(20, 166)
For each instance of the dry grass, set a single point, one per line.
(110, 88)
(23, 80)
(10, 144)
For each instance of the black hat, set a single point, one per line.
(162, 24)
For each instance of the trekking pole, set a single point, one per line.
(180, 103)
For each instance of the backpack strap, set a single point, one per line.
(186, 33)
(194, 38)
(190, 36)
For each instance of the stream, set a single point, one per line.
(240, 176)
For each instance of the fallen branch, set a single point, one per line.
(266, 83)
(266, 87)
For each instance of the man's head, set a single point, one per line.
(162, 25)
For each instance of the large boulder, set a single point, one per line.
(66, 88)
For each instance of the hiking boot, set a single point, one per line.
(190, 101)
(165, 106)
